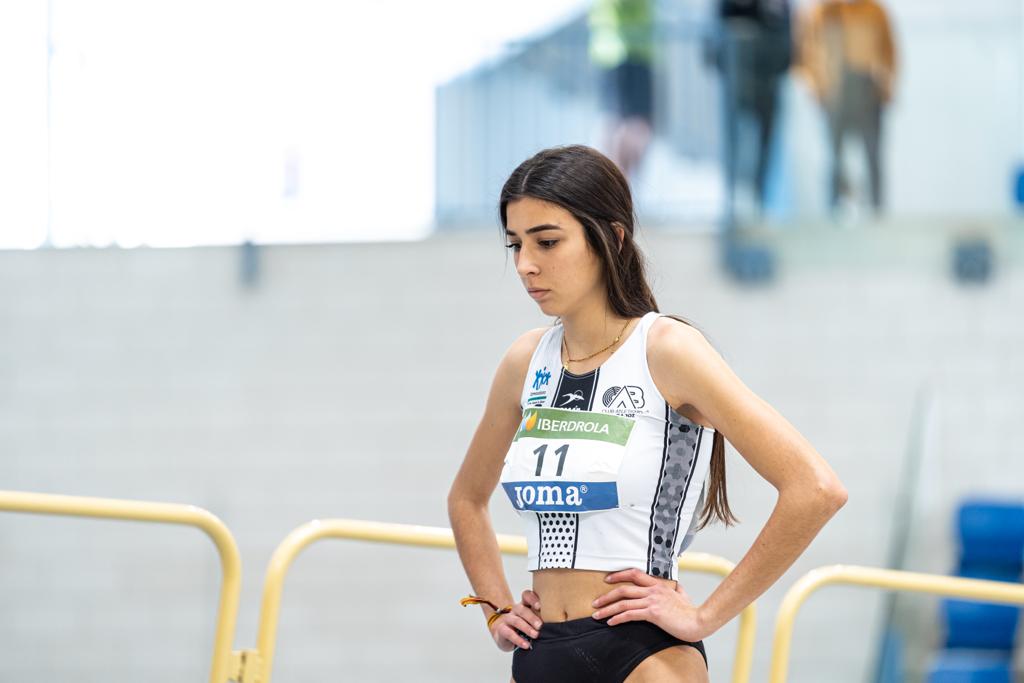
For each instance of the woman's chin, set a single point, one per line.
(547, 309)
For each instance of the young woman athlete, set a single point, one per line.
(602, 430)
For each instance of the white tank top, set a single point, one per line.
(605, 474)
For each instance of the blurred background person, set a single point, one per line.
(848, 58)
(622, 48)
(751, 46)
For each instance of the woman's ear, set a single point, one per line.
(620, 233)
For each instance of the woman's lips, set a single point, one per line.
(537, 293)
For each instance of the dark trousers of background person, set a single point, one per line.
(628, 95)
(627, 90)
(856, 109)
(753, 61)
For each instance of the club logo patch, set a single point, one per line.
(624, 398)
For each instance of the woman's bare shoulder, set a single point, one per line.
(508, 380)
(521, 351)
(668, 335)
(674, 351)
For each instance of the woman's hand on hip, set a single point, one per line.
(643, 598)
(508, 629)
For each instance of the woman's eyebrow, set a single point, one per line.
(536, 228)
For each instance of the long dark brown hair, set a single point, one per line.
(590, 186)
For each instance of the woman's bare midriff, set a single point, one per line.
(569, 593)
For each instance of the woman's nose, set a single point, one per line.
(525, 264)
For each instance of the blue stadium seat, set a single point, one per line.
(980, 636)
(991, 533)
(979, 625)
(991, 572)
(970, 666)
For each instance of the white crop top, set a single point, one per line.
(605, 474)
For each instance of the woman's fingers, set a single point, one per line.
(511, 635)
(527, 615)
(633, 575)
(620, 607)
(522, 623)
(622, 592)
(531, 599)
(631, 615)
(513, 627)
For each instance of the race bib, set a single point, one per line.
(565, 460)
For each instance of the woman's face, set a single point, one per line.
(556, 264)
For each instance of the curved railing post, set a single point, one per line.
(438, 537)
(164, 513)
(949, 586)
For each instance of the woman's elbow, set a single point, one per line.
(456, 500)
(831, 494)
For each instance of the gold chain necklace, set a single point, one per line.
(565, 364)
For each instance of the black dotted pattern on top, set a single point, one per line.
(682, 442)
(558, 539)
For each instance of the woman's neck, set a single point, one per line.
(591, 329)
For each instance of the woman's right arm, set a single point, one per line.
(471, 493)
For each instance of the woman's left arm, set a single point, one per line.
(688, 371)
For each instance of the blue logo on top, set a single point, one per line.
(541, 378)
(562, 496)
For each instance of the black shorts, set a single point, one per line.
(590, 650)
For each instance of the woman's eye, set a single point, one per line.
(547, 244)
(515, 247)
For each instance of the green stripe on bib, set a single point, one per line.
(558, 423)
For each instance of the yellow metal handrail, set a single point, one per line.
(438, 537)
(950, 586)
(166, 513)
